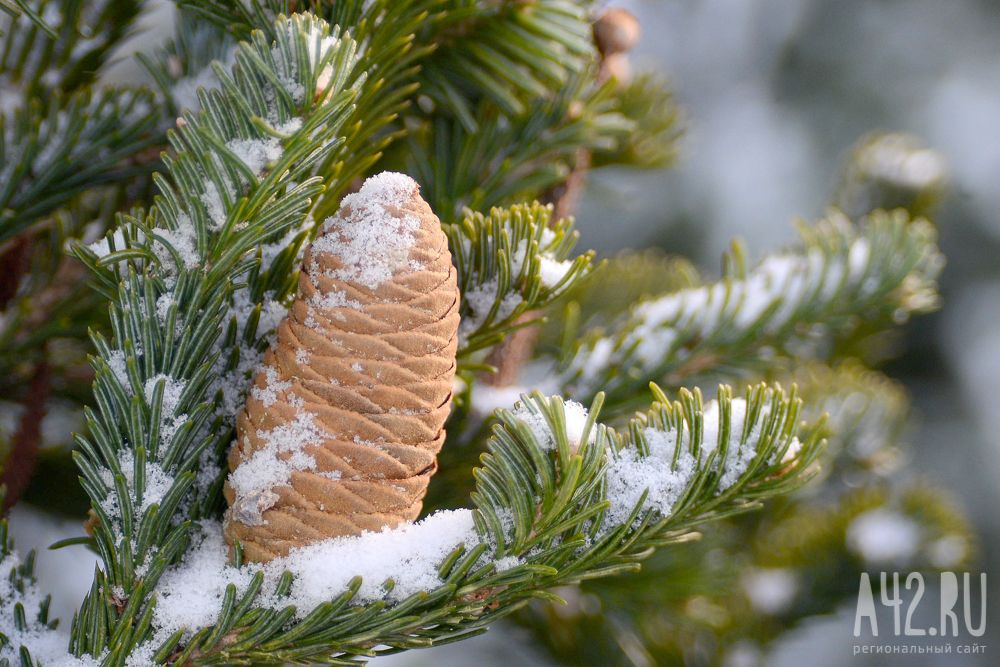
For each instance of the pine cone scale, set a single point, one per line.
(342, 427)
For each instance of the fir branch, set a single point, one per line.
(184, 63)
(891, 170)
(15, 8)
(510, 159)
(652, 143)
(26, 632)
(883, 268)
(549, 511)
(388, 53)
(63, 50)
(50, 154)
(513, 54)
(196, 286)
(510, 262)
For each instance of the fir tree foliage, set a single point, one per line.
(881, 268)
(489, 106)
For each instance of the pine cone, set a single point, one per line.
(616, 31)
(345, 418)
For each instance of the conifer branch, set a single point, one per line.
(883, 268)
(48, 155)
(196, 287)
(510, 262)
(560, 499)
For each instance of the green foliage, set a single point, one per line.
(487, 105)
(510, 159)
(651, 143)
(66, 45)
(881, 269)
(566, 537)
(48, 155)
(14, 8)
(803, 547)
(20, 601)
(510, 263)
(187, 284)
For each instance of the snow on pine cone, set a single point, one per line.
(345, 418)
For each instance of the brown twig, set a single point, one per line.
(615, 33)
(23, 455)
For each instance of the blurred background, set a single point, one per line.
(774, 95)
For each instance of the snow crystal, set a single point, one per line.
(184, 242)
(273, 385)
(507, 563)
(410, 555)
(172, 391)
(630, 474)
(552, 271)
(163, 303)
(190, 594)
(576, 418)
(102, 247)
(881, 536)
(116, 361)
(257, 154)
(170, 421)
(334, 299)
(370, 234)
(768, 297)
(480, 300)
(739, 454)
(157, 484)
(272, 465)
(770, 590)
(47, 646)
(212, 200)
(233, 384)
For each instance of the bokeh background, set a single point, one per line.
(775, 92)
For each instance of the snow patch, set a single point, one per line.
(371, 235)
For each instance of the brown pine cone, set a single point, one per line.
(616, 31)
(345, 418)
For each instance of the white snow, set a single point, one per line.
(370, 235)
(170, 421)
(480, 300)
(102, 246)
(190, 594)
(576, 418)
(272, 465)
(629, 474)
(659, 328)
(410, 555)
(116, 361)
(183, 240)
(157, 484)
(46, 645)
(770, 590)
(234, 383)
(257, 154)
(739, 454)
(212, 200)
(273, 385)
(552, 271)
(883, 536)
